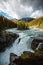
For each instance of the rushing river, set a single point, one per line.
(26, 37)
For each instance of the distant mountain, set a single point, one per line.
(37, 23)
(27, 19)
(5, 14)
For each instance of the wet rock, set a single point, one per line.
(32, 59)
(6, 39)
(12, 58)
(36, 43)
(40, 46)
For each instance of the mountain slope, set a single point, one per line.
(6, 23)
(37, 23)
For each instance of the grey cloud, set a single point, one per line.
(22, 8)
(36, 4)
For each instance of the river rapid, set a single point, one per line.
(21, 44)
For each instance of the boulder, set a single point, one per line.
(6, 39)
(35, 44)
(40, 46)
(33, 59)
(12, 58)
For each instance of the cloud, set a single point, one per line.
(9, 7)
(36, 14)
(22, 8)
(36, 4)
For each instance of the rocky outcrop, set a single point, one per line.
(33, 59)
(37, 44)
(6, 39)
(12, 58)
(40, 46)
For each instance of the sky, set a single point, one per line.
(22, 8)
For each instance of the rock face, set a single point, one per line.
(12, 58)
(40, 46)
(37, 44)
(33, 59)
(6, 39)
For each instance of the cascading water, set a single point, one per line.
(21, 44)
(39, 46)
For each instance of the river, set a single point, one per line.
(18, 47)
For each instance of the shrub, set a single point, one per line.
(22, 25)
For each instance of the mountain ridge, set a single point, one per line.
(27, 19)
(6, 23)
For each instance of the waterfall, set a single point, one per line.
(39, 46)
(21, 44)
(18, 48)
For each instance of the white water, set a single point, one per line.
(18, 47)
(39, 46)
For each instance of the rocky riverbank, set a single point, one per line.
(27, 58)
(6, 39)
(37, 44)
